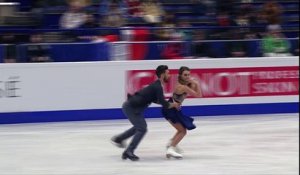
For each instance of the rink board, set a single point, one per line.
(154, 112)
(48, 92)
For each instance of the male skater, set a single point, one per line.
(134, 107)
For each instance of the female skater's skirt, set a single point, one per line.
(176, 116)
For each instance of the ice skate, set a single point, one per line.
(172, 153)
(118, 143)
(129, 155)
(177, 149)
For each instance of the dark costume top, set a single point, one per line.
(176, 116)
(153, 93)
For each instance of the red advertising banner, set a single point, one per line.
(228, 82)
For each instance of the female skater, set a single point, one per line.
(185, 86)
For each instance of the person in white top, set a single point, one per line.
(74, 17)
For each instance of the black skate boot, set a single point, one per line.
(117, 142)
(129, 154)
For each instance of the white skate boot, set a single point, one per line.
(176, 148)
(172, 153)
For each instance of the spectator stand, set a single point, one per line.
(182, 9)
(135, 50)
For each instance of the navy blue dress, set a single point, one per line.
(176, 116)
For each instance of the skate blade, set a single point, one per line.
(169, 156)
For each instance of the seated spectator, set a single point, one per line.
(242, 20)
(169, 23)
(38, 51)
(258, 19)
(183, 24)
(105, 7)
(223, 21)
(173, 50)
(134, 8)
(296, 52)
(225, 6)
(200, 48)
(9, 40)
(237, 47)
(153, 11)
(114, 16)
(275, 43)
(83, 3)
(90, 21)
(204, 7)
(296, 48)
(37, 12)
(272, 12)
(74, 17)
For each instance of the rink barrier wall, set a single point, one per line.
(154, 112)
(52, 92)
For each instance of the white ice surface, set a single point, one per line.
(224, 145)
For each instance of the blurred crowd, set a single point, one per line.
(233, 22)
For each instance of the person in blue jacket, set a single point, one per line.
(185, 86)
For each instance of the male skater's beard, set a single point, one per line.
(166, 79)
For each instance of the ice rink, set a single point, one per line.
(223, 145)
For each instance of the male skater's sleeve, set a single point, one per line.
(161, 98)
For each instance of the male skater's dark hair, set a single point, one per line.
(161, 69)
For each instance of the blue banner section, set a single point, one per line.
(109, 114)
(80, 52)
